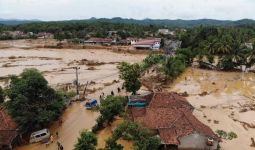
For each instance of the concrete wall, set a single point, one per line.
(196, 141)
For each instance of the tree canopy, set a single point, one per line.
(130, 73)
(110, 107)
(33, 104)
(86, 141)
(142, 137)
(228, 45)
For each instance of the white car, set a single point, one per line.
(39, 135)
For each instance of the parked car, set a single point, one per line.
(39, 136)
(91, 103)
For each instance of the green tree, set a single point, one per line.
(86, 141)
(2, 95)
(172, 67)
(112, 106)
(151, 60)
(130, 73)
(142, 137)
(33, 104)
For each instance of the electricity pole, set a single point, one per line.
(77, 81)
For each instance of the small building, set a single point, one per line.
(132, 41)
(148, 44)
(169, 115)
(100, 41)
(45, 35)
(166, 32)
(8, 131)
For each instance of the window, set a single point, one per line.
(43, 134)
(37, 136)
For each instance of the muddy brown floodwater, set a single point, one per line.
(56, 65)
(228, 102)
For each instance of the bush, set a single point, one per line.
(86, 141)
(232, 135)
(223, 134)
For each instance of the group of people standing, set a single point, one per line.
(101, 97)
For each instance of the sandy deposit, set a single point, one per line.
(56, 65)
(229, 104)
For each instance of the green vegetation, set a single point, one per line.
(86, 141)
(173, 67)
(232, 135)
(142, 137)
(151, 60)
(223, 134)
(130, 73)
(227, 45)
(110, 107)
(33, 104)
(82, 29)
(2, 95)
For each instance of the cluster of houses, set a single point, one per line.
(23, 35)
(169, 116)
(138, 43)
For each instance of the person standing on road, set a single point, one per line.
(58, 144)
(51, 139)
(61, 147)
(57, 134)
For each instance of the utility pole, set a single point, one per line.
(77, 81)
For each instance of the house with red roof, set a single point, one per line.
(8, 131)
(170, 116)
(149, 43)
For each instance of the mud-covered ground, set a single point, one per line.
(223, 101)
(97, 67)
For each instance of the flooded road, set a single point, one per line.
(223, 101)
(98, 66)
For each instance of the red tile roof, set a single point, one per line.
(7, 123)
(172, 116)
(185, 125)
(7, 136)
(7, 128)
(169, 100)
(145, 42)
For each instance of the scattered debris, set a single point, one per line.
(215, 121)
(202, 106)
(12, 57)
(203, 93)
(252, 142)
(184, 94)
(91, 68)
